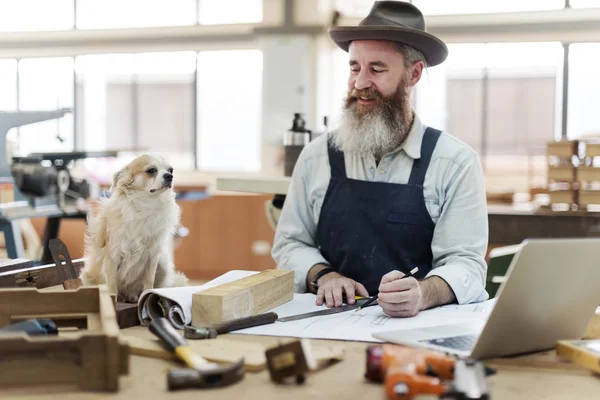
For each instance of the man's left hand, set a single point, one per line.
(400, 297)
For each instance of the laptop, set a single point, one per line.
(551, 292)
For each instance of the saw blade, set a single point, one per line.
(327, 311)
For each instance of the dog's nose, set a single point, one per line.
(168, 177)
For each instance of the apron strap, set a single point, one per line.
(430, 138)
(336, 160)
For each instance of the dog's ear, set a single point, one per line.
(122, 178)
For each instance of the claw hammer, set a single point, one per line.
(201, 373)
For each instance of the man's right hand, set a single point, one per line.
(332, 286)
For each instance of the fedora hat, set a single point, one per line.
(397, 21)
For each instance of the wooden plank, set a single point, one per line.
(217, 350)
(37, 277)
(252, 295)
(15, 264)
(255, 185)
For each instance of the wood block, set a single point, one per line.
(127, 315)
(583, 352)
(252, 295)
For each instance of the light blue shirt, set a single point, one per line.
(454, 192)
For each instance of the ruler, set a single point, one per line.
(328, 311)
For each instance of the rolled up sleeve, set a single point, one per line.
(460, 238)
(294, 246)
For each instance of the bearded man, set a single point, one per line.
(384, 194)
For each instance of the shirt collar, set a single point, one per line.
(412, 144)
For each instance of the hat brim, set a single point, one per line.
(434, 50)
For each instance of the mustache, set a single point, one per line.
(367, 93)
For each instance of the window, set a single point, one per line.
(360, 8)
(107, 14)
(165, 105)
(445, 7)
(585, 3)
(36, 15)
(8, 85)
(229, 110)
(212, 12)
(583, 118)
(142, 102)
(510, 124)
(46, 84)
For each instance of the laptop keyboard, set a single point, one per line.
(463, 342)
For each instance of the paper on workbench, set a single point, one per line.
(360, 325)
(175, 304)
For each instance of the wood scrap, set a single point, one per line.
(248, 296)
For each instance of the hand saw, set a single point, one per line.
(328, 311)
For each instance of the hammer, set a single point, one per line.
(203, 374)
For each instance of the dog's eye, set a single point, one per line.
(170, 170)
(151, 171)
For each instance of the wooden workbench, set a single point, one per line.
(537, 376)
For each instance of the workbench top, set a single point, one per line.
(537, 376)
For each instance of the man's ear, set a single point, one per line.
(415, 72)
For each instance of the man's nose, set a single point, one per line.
(362, 81)
(168, 176)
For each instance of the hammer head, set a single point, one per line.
(213, 375)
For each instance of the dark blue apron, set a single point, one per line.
(367, 229)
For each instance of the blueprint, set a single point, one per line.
(360, 325)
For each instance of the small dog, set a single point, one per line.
(128, 244)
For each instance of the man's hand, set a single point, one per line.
(333, 285)
(406, 297)
(400, 297)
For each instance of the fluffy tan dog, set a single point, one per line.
(129, 242)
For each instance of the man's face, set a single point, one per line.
(377, 110)
(375, 65)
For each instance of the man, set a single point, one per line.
(385, 194)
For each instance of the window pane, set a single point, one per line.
(584, 91)
(212, 12)
(8, 85)
(165, 111)
(360, 8)
(444, 7)
(523, 102)
(46, 84)
(35, 15)
(105, 94)
(229, 110)
(105, 14)
(585, 3)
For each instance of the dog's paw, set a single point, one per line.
(128, 297)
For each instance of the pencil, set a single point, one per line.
(372, 299)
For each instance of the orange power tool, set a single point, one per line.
(409, 372)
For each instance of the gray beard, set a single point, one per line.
(370, 135)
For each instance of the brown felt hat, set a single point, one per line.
(397, 21)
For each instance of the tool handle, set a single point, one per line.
(246, 322)
(163, 329)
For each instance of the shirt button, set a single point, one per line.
(382, 171)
